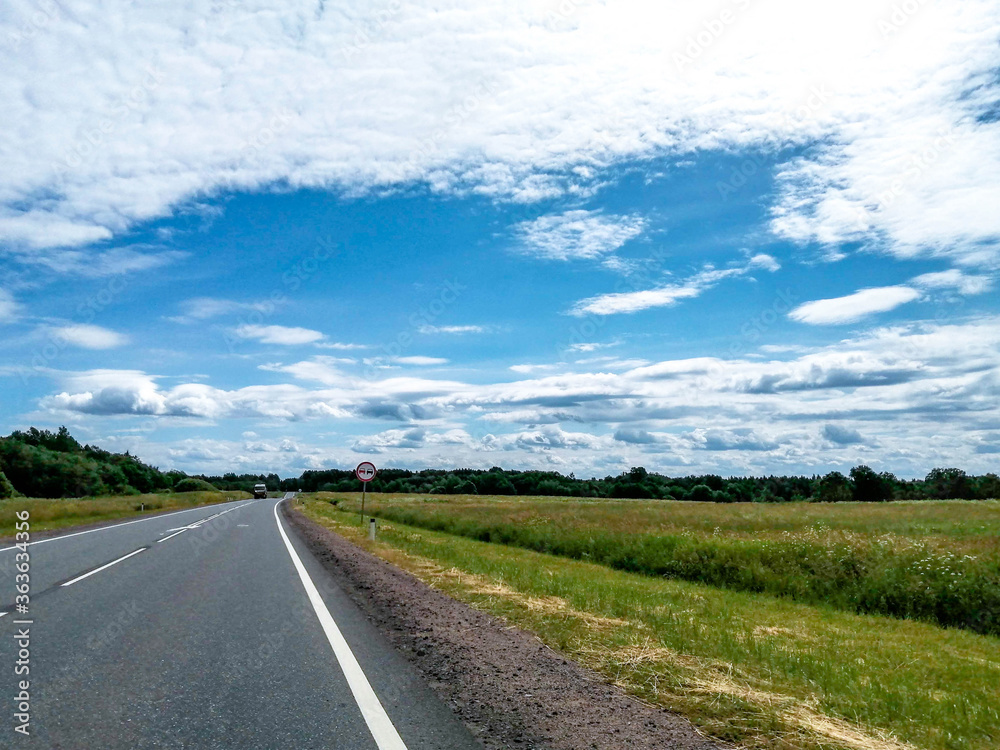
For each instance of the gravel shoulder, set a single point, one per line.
(509, 689)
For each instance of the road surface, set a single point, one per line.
(207, 628)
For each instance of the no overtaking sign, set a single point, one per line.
(365, 471)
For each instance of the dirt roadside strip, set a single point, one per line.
(508, 688)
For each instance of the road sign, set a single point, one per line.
(366, 471)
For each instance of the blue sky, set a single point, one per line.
(732, 238)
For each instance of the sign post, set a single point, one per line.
(366, 472)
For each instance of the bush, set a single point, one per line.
(6, 488)
(701, 493)
(190, 484)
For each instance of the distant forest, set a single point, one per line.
(862, 484)
(40, 463)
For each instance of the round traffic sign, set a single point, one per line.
(366, 471)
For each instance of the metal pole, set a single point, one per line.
(364, 487)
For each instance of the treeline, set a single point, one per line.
(862, 484)
(40, 463)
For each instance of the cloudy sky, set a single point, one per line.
(734, 237)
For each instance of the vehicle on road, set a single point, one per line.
(259, 491)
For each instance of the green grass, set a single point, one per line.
(47, 514)
(933, 561)
(758, 670)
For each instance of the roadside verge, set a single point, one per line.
(506, 685)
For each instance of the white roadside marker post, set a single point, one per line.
(371, 529)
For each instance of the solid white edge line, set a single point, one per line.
(2, 614)
(168, 537)
(117, 525)
(107, 565)
(379, 724)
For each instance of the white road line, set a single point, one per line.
(115, 526)
(198, 524)
(2, 614)
(379, 724)
(103, 567)
(171, 536)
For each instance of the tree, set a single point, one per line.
(871, 487)
(988, 487)
(495, 482)
(948, 484)
(835, 488)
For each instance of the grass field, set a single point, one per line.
(47, 514)
(934, 561)
(749, 667)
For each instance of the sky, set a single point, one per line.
(736, 237)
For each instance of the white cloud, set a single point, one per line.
(90, 336)
(953, 278)
(391, 439)
(207, 308)
(282, 335)
(853, 307)
(842, 435)
(429, 329)
(421, 361)
(630, 302)
(730, 440)
(8, 307)
(577, 234)
(589, 346)
(99, 263)
(528, 369)
(669, 294)
(520, 103)
(765, 261)
(340, 346)
(889, 387)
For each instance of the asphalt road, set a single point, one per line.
(207, 628)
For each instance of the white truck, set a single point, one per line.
(259, 491)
